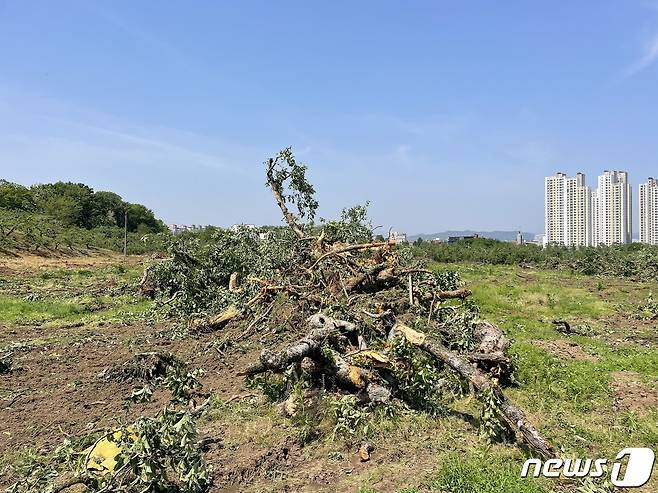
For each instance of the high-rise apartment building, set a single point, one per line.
(576, 216)
(554, 193)
(568, 216)
(649, 212)
(611, 209)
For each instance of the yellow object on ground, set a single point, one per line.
(413, 336)
(103, 455)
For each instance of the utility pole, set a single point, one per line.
(125, 232)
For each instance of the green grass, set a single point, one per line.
(64, 274)
(14, 310)
(54, 297)
(570, 401)
(51, 312)
(482, 475)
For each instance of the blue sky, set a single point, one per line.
(445, 115)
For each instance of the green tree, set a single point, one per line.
(15, 197)
(106, 209)
(75, 199)
(142, 219)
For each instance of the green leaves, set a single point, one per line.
(354, 226)
(200, 270)
(290, 178)
(492, 425)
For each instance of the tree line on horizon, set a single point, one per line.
(77, 204)
(53, 216)
(635, 260)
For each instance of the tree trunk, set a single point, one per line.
(515, 417)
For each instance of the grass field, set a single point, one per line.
(592, 393)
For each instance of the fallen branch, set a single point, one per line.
(461, 293)
(514, 416)
(216, 322)
(351, 248)
(323, 327)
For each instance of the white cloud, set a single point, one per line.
(648, 58)
(125, 141)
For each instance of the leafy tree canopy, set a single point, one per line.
(77, 204)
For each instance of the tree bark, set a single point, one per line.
(492, 339)
(515, 417)
(322, 327)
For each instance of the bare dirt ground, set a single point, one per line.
(56, 390)
(566, 350)
(32, 263)
(631, 393)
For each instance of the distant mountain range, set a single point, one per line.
(496, 235)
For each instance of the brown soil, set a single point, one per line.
(625, 330)
(566, 350)
(631, 393)
(55, 391)
(32, 263)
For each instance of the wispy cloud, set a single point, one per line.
(649, 57)
(188, 155)
(38, 128)
(141, 34)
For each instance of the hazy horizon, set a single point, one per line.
(444, 116)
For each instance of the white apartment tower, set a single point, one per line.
(555, 187)
(649, 212)
(612, 209)
(568, 216)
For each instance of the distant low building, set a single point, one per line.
(398, 237)
(177, 229)
(455, 239)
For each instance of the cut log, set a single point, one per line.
(278, 361)
(233, 283)
(349, 376)
(322, 328)
(215, 322)
(146, 287)
(461, 294)
(491, 339)
(358, 280)
(454, 294)
(490, 359)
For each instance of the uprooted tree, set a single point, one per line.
(364, 312)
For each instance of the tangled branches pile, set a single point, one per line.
(375, 323)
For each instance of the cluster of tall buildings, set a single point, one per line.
(576, 215)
